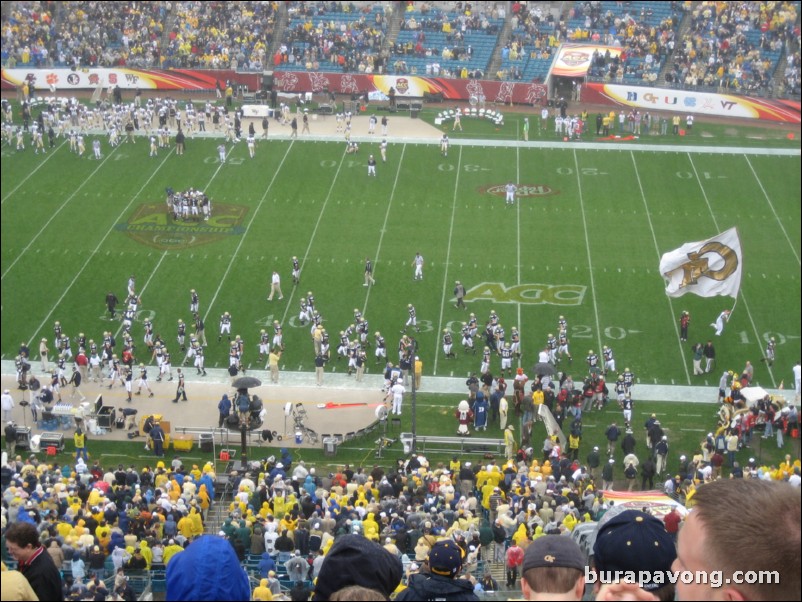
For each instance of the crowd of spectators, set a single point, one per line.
(221, 35)
(455, 43)
(735, 45)
(790, 81)
(95, 521)
(534, 40)
(731, 45)
(646, 37)
(333, 36)
(283, 517)
(84, 34)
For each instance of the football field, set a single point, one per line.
(583, 240)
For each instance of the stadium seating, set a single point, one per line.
(645, 30)
(733, 46)
(443, 44)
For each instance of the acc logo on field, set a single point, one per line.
(530, 294)
(524, 190)
(152, 225)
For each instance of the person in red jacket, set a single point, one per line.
(515, 557)
(672, 521)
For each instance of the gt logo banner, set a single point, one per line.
(531, 294)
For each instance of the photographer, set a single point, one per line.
(11, 437)
(23, 367)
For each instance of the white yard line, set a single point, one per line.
(777, 217)
(518, 228)
(384, 228)
(244, 234)
(99, 245)
(448, 262)
(30, 175)
(314, 232)
(657, 249)
(587, 246)
(743, 296)
(55, 213)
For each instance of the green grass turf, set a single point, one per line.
(685, 423)
(740, 133)
(608, 217)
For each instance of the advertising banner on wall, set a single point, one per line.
(67, 79)
(296, 82)
(412, 86)
(573, 60)
(690, 101)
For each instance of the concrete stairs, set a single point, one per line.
(682, 32)
(495, 60)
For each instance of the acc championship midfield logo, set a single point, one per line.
(151, 225)
(528, 294)
(524, 190)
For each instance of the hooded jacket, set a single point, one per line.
(207, 570)
(437, 587)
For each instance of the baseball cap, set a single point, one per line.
(635, 541)
(445, 558)
(553, 551)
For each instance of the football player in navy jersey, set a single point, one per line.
(467, 339)
(448, 343)
(225, 326)
(609, 360)
(412, 320)
(485, 367)
(381, 347)
(562, 346)
(264, 344)
(593, 362)
(304, 314)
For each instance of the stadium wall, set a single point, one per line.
(410, 87)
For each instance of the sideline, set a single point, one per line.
(442, 385)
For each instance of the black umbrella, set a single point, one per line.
(246, 382)
(543, 369)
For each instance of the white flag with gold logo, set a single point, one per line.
(707, 268)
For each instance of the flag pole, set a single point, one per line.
(738, 291)
(734, 303)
